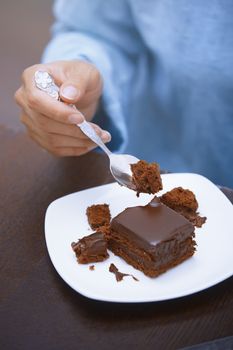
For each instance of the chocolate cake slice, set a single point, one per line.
(152, 238)
(146, 177)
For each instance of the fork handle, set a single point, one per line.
(89, 131)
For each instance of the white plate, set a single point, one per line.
(66, 222)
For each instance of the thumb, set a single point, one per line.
(72, 91)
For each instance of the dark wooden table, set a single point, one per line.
(38, 310)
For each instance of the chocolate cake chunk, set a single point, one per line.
(146, 177)
(92, 248)
(184, 201)
(152, 238)
(179, 197)
(98, 215)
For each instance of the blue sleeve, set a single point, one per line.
(102, 33)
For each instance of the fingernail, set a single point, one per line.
(70, 92)
(75, 119)
(106, 136)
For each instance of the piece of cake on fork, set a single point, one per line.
(146, 177)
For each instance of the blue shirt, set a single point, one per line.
(167, 68)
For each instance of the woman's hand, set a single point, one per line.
(51, 123)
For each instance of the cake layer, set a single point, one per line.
(154, 267)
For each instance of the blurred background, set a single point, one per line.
(24, 31)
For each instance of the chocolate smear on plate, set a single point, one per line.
(119, 275)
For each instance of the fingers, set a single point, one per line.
(53, 109)
(59, 145)
(53, 136)
(71, 91)
(30, 97)
(83, 84)
(44, 124)
(58, 151)
(35, 100)
(52, 123)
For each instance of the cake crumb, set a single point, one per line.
(92, 267)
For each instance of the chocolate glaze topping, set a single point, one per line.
(148, 225)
